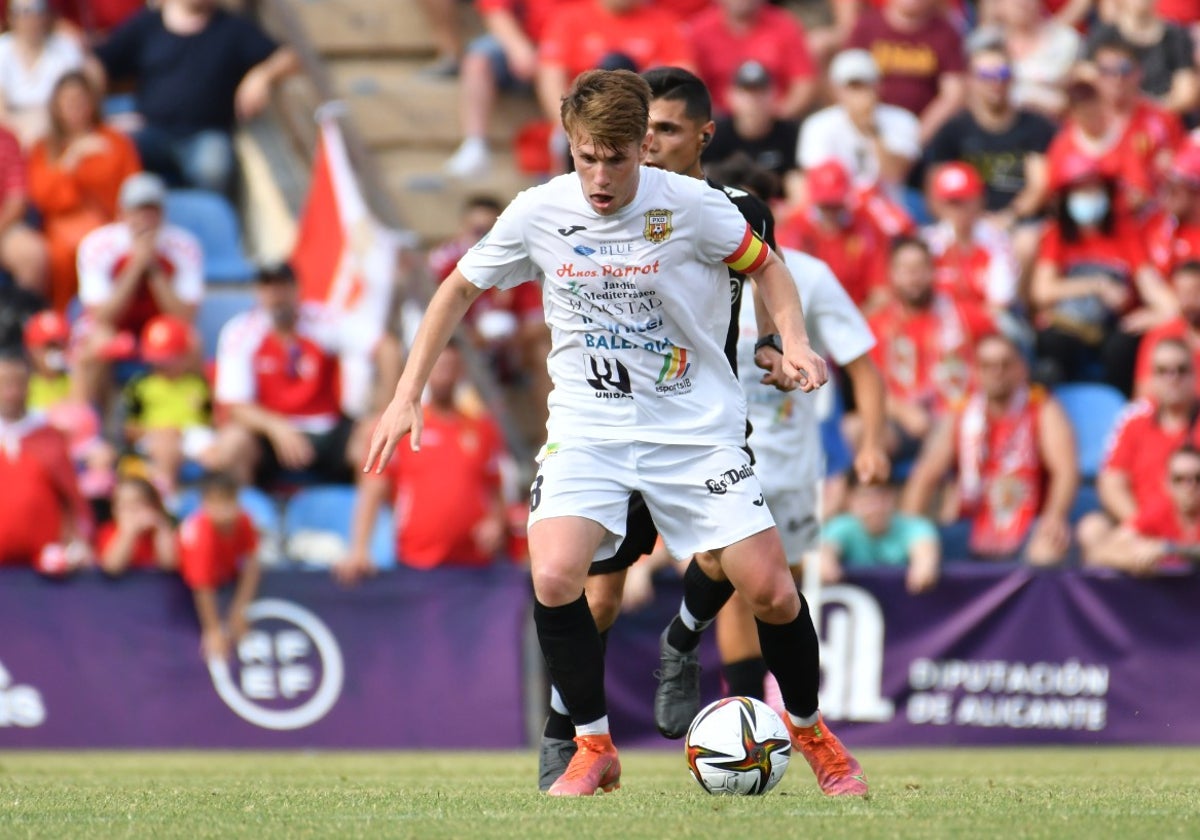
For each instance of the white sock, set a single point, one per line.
(556, 702)
(596, 727)
(811, 720)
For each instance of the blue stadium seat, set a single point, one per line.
(1092, 408)
(217, 308)
(119, 103)
(1086, 501)
(330, 507)
(211, 218)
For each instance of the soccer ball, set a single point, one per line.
(738, 746)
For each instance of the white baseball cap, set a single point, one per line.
(142, 189)
(851, 66)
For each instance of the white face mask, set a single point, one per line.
(56, 360)
(1087, 208)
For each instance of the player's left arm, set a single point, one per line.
(778, 290)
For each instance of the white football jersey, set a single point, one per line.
(638, 305)
(786, 438)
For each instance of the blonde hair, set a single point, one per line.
(609, 107)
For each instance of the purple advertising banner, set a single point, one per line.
(991, 656)
(435, 659)
(410, 659)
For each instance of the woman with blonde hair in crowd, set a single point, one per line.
(75, 173)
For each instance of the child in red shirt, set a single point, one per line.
(217, 548)
(141, 535)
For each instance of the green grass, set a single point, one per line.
(1061, 793)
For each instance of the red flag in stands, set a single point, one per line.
(343, 256)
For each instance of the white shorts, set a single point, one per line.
(795, 513)
(702, 497)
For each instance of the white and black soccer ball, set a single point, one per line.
(738, 746)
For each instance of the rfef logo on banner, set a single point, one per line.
(20, 705)
(289, 668)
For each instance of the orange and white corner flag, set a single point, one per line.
(343, 256)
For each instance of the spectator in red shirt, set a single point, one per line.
(920, 57)
(218, 548)
(279, 377)
(1013, 449)
(584, 35)
(130, 271)
(1185, 280)
(1093, 287)
(140, 535)
(1162, 537)
(449, 510)
(925, 347)
(1142, 441)
(736, 31)
(974, 258)
(23, 253)
(43, 517)
(834, 229)
(505, 58)
(1173, 232)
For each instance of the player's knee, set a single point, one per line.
(605, 610)
(555, 586)
(775, 603)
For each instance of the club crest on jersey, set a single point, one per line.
(658, 227)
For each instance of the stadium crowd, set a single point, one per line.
(1008, 190)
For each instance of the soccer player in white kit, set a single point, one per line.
(635, 263)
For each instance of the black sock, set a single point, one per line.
(558, 725)
(574, 656)
(703, 598)
(746, 677)
(792, 653)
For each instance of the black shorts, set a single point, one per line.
(329, 464)
(640, 536)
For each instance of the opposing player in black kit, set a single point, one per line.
(681, 127)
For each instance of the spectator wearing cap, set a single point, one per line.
(22, 250)
(33, 56)
(835, 229)
(1093, 289)
(877, 143)
(1162, 50)
(973, 257)
(1185, 327)
(1005, 144)
(187, 136)
(1044, 48)
(752, 128)
(1173, 231)
(47, 336)
(44, 521)
(130, 271)
(504, 58)
(75, 177)
(920, 59)
(588, 34)
(1012, 451)
(279, 378)
(733, 32)
(168, 409)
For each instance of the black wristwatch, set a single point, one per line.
(774, 341)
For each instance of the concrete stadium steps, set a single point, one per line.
(393, 105)
(341, 28)
(428, 201)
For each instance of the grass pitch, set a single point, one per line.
(1061, 793)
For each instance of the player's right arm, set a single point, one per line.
(403, 414)
(778, 290)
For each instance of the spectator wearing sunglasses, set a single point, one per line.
(1142, 442)
(1163, 537)
(1043, 48)
(1162, 51)
(1005, 144)
(1185, 280)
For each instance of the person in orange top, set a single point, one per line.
(75, 174)
(449, 510)
(1014, 452)
(925, 347)
(140, 535)
(217, 549)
